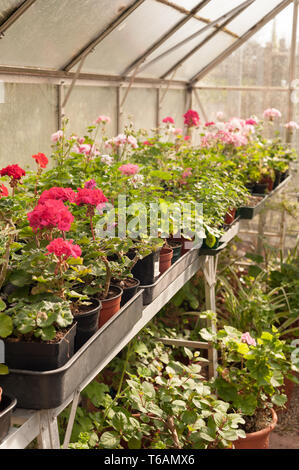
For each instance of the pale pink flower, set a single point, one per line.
(107, 159)
(120, 139)
(271, 113)
(132, 141)
(57, 136)
(103, 119)
(220, 115)
(246, 338)
(177, 131)
(81, 140)
(291, 125)
(85, 148)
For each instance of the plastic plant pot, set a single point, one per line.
(166, 255)
(111, 305)
(7, 405)
(87, 323)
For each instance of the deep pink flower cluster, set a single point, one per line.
(62, 194)
(13, 171)
(191, 118)
(91, 184)
(129, 169)
(93, 197)
(168, 120)
(64, 249)
(50, 213)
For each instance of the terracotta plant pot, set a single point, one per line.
(166, 255)
(111, 305)
(230, 216)
(259, 439)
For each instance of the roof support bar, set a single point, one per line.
(15, 16)
(166, 36)
(241, 41)
(189, 38)
(89, 47)
(292, 70)
(233, 14)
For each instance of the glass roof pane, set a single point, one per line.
(187, 4)
(252, 15)
(50, 33)
(217, 8)
(204, 56)
(166, 62)
(132, 38)
(7, 7)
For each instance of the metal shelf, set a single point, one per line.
(42, 424)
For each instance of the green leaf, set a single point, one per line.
(46, 334)
(134, 443)
(2, 305)
(279, 400)
(189, 417)
(109, 440)
(4, 369)
(119, 421)
(6, 325)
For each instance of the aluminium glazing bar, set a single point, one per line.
(254, 29)
(89, 47)
(166, 36)
(214, 23)
(233, 14)
(15, 16)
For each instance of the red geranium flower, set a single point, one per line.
(13, 171)
(41, 159)
(191, 118)
(64, 249)
(3, 191)
(63, 194)
(50, 214)
(93, 197)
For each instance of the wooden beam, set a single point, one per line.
(95, 42)
(254, 29)
(15, 16)
(234, 13)
(166, 36)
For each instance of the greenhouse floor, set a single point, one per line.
(286, 433)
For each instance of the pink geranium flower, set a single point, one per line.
(246, 338)
(92, 197)
(41, 159)
(57, 193)
(50, 213)
(64, 249)
(220, 115)
(271, 113)
(57, 136)
(209, 124)
(3, 191)
(291, 125)
(168, 120)
(129, 169)
(103, 119)
(91, 184)
(191, 118)
(251, 122)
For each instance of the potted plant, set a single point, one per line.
(250, 373)
(7, 404)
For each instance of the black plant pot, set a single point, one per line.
(260, 188)
(177, 249)
(87, 323)
(250, 187)
(146, 270)
(40, 356)
(129, 292)
(277, 179)
(7, 405)
(284, 175)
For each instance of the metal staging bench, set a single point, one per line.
(42, 424)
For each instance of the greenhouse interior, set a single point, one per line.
(149, 248)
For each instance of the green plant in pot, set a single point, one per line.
(250, 375)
